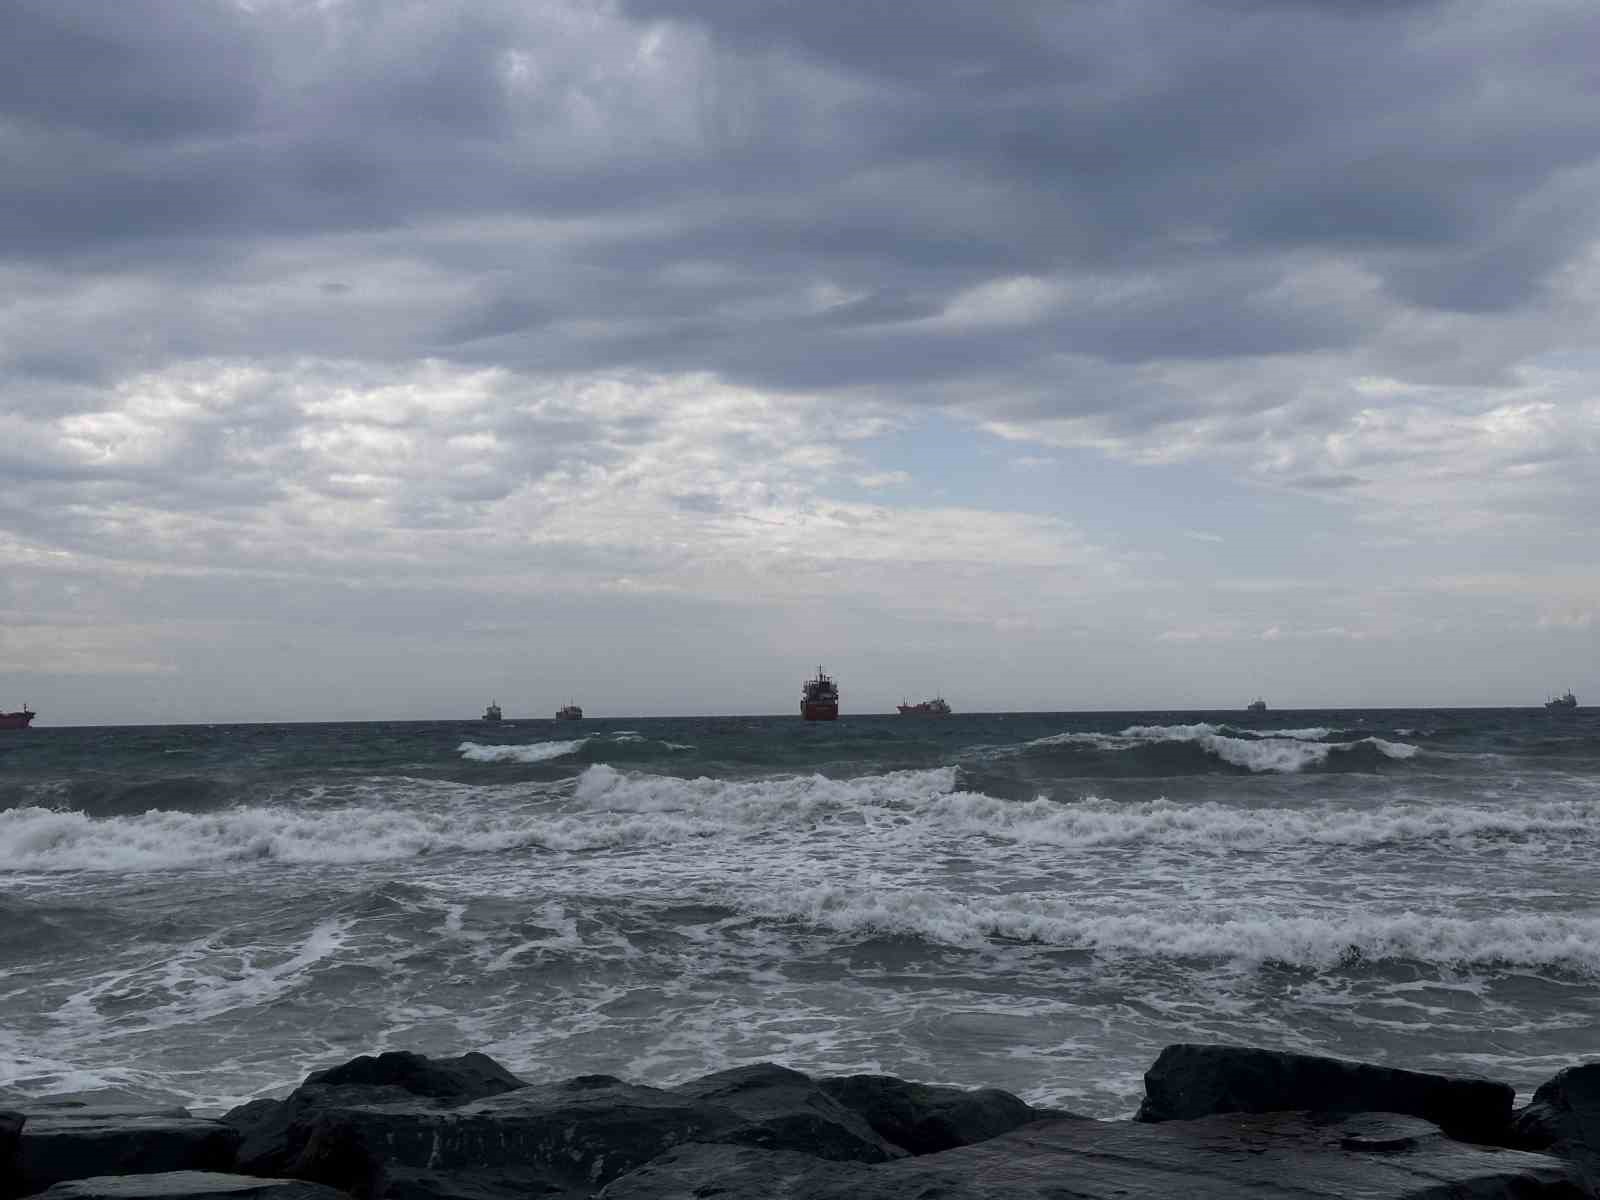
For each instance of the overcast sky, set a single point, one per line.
(368, 359)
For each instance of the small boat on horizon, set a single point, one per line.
(1256, 705)
(492, 713)
(20, 719)
(569, 712)
(819, 698)
(1562, 703)
(937, 707)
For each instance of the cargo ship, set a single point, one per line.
(492, 713)
(1256, 705)
(569, 712)
(17, 720)
(925, 708)
(1562, 703)
(819, 698)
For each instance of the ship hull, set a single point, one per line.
(19, 720)
(819, 710)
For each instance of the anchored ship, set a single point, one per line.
(819, 698)
(1563, 702)
(1256, 705)
(569, 712)
(492, 713)
(17, 720)
(925, 708)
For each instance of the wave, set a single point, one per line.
(1253, 940)
(1177, 747)
(625, 744)
(893, 813)
(530, 753)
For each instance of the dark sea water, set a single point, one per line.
(1034, 901)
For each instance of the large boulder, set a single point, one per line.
(1564, 1119)
(10, 1146)
(62, 1142)
(562, 1139)
(1190, 1080)
(1296, 1156)
(925, 1118)
(274, 1131)
(784, 1109)
(188, 1185)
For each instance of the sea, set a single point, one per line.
(202, 915)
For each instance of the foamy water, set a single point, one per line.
(1034, 902)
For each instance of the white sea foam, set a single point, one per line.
(892, 813)
(1281, 750)
(530, 753)
(1247, 938)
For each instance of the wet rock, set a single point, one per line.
(1564, 1119)
(188, 1185)
(10, 1144)
(1289, 1155)
(925, 1119)
(274, 1131)
(784, 1109)
(551, 1139)
(1189, 1081)
(65, 1142)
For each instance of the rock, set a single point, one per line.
(10, 1144)
(1564, 1119)
(1291, 1155)
(1189, 1081)
(557, 1139)
(188, 1185)
(79, 1142)
(784, 1109)
(701, 1170)
(275, 1130)
(925, 1119)
(563, 1138)
(457, 1080)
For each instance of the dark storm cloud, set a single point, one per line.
(1177, 172)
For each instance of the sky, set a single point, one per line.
(374, 360)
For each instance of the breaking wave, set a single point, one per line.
(1176, 747)
(531, 753)
(1318, 943)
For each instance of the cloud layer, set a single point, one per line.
(387, 316)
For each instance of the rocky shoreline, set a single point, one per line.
(1217, 1121)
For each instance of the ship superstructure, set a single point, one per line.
(819, 698)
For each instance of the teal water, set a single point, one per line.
(1031, 901)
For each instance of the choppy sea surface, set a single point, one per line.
(1034, 901)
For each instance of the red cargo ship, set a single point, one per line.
(17, 720)
(819, 698)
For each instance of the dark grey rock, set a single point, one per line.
(786, 1110)
(1291, 1155)
(924, 1118)
(457, 1080)
(563, 1138)
(188, 1185)
(1564, 1119)
(80, 1142)
(1189, 1081)
(10, 1145)
(709, 1172)
(275, 1130)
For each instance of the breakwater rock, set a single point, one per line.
(1217, 1121)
